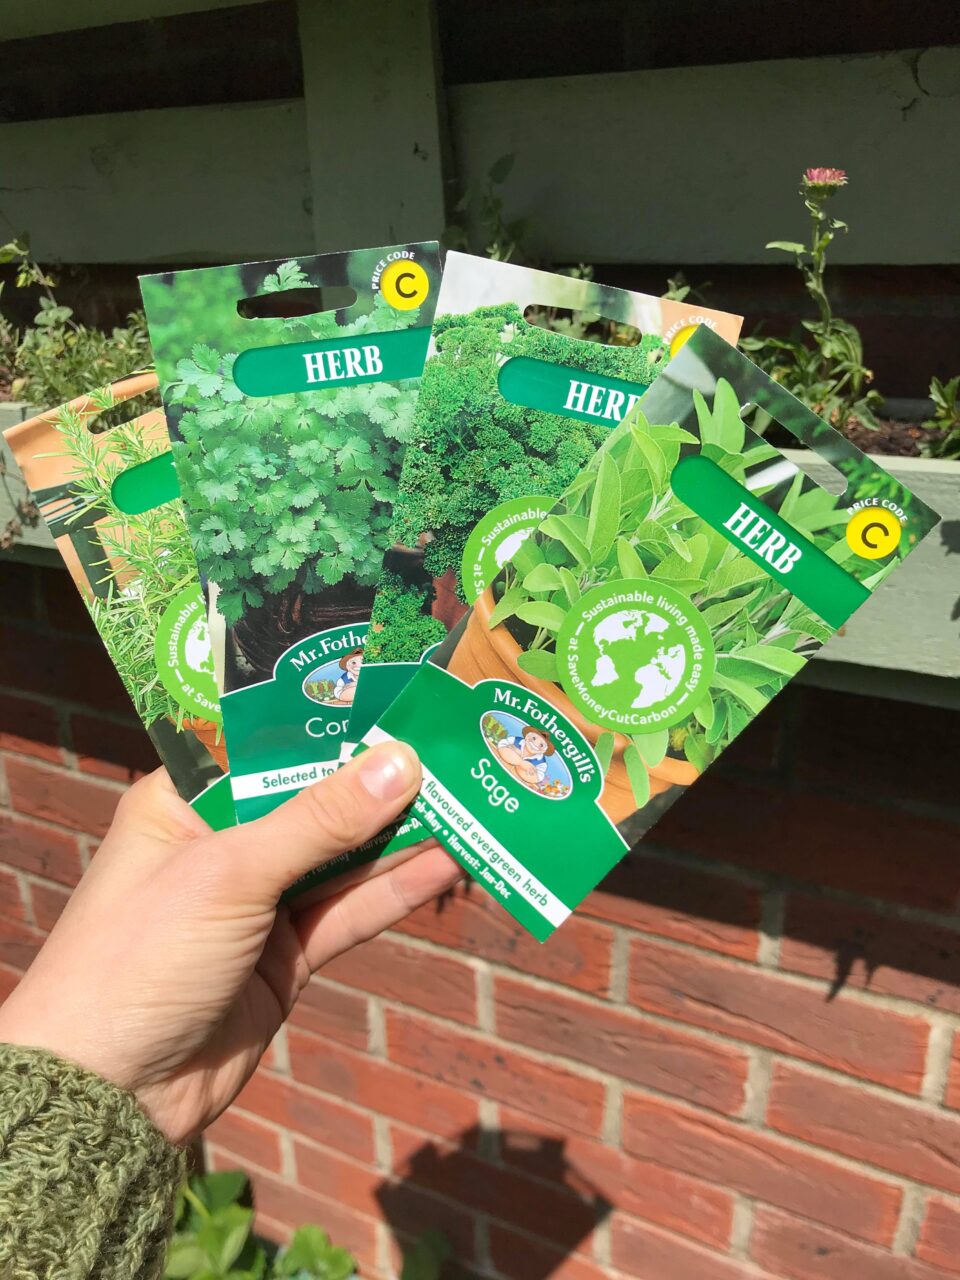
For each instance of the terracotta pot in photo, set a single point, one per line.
(485, 654)
(211, 735)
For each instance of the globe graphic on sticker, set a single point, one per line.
(635, 654)
(197, 651)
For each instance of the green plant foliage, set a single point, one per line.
(824, 366)
(213, 1240)
(472, 449)
(147, 557)
(945, 421)
(296, 496)
(400, 623)
(57, 358)
(622, 519)
(425, 1260)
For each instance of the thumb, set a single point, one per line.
(331, 817)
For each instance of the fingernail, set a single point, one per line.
(389, 771)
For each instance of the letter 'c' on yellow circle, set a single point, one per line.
(404, 285)
(873, 532)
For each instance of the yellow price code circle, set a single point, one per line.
(682, 337)
(404, 285)
(873, 532)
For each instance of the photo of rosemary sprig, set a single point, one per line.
(146, 559)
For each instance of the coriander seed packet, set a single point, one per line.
(685, 575)
(289, 389)
(526, 375)
(136, 573)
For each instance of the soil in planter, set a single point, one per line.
(263, 634)
(891, 438)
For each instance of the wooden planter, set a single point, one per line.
(485, 654)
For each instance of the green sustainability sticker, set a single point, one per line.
(184, 657)
(496, 539)
(635, 655)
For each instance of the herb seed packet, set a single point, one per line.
(289, 389)
(685, 575)
(136, 573)
(510, 410)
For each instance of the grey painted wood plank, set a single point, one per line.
(373, 129)
(195, 184)
(702, 164)
(18, 19)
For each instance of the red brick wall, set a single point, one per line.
(738, 1061)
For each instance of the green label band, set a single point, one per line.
(768, 540)
(571, 393)
(339, 362)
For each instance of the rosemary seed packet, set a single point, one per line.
(527, 373)
(289, 389)
(684, 576)
(136, 573)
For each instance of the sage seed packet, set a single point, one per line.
(684, 576)
(133, 565)
(526, 375)
(289, 390)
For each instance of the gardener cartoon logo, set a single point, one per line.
(527, 753)
(184, 657)
(635, 656)
(335, 683)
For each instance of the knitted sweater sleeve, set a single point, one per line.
(87, 1184)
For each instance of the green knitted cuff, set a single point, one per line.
(87, 1184)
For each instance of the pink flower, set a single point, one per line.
(826, 180)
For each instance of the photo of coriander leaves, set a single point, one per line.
(291, 494)
(472, 450)
(620, 519)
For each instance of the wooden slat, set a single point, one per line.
(702, 164)
(198, 184)
(19, 19)
(372, 102)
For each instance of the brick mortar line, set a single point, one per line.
(741, 1226)
(936, 1074)
(862, 1168)
(874, 999)
(391, 1178)
(909, 1221)
(63, 770)
(58, 827)
(914, 1101)
(770, 931)
(67, 707)
(723, 869)
(641, 1016)
(259, 1169)
(22, 881)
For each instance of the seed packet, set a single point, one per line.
(137, 576)
(685, 575)
(289, 389)
(527, 373)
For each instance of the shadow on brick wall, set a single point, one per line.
(493, 1170)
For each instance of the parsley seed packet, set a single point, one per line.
(131, 561)
(289, 390)
(684, 576)
(526, 375)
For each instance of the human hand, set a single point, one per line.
(172, 967)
